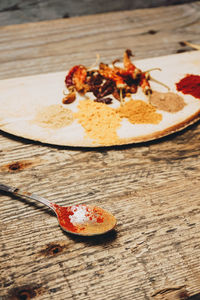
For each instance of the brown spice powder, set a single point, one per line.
(169, 102)
(139, 112)
(99, 121)
(54, 116)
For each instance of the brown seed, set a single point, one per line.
(106, 100)
(69, 98)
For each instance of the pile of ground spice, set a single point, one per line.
(139, 112)
(54, 116)
(190, 84)
(169, 102)
(99, 121)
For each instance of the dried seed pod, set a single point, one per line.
(69, 98)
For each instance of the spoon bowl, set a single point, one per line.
(80, 219)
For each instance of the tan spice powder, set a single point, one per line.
(54, 116)
(99, 121)
(139, 112)
(169, 102)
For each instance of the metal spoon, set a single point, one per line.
(81, 219)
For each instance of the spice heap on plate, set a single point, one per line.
(106, 107)
(190, 84)
(107, 104)
(99, 120)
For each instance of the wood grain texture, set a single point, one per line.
(57, 45)
(20, 11)
(152, 188)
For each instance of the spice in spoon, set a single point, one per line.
(84, 220)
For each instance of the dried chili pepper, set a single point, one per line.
(79, 79)
(108, 80)
(69, 77)
(76, 78)
(113, 74)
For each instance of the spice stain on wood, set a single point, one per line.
(53, 249)
(25, 292)
(16, 166)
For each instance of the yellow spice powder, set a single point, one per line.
(139, 112)
(54, 116)
(99, 121)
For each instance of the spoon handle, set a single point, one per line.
(18, 192)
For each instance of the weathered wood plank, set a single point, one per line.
(56, 46)
(152, 188)
(19, 11)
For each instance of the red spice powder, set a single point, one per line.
(99, 220)
(190, 84)
(64, 214)
(98, 213)
(69, 215)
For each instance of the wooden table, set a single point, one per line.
(152, 188)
